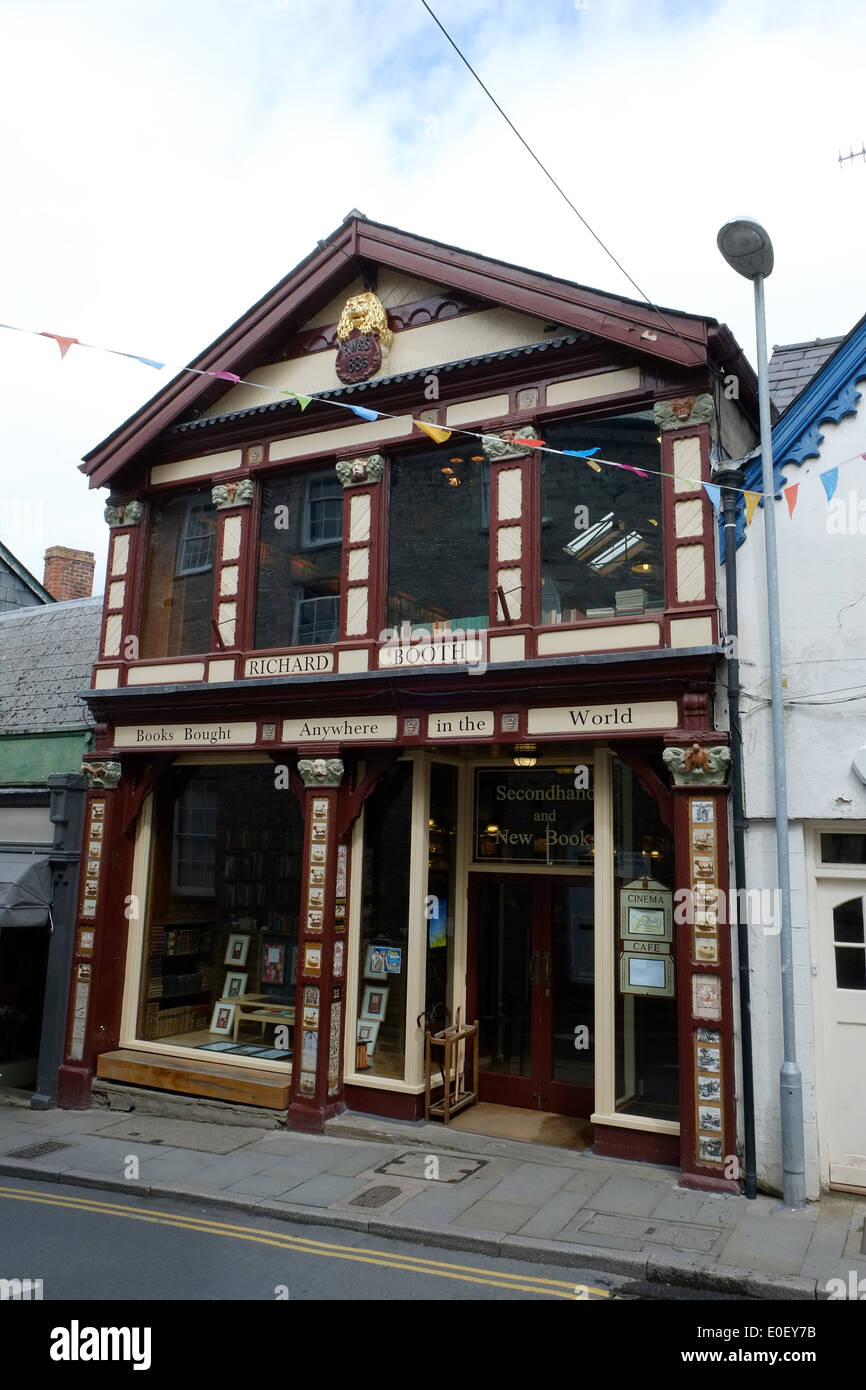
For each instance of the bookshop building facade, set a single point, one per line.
(401, 725)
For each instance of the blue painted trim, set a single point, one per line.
(831, 395)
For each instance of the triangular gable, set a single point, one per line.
(311, 290)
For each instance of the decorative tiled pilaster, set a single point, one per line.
(708, 1148)
(316, 1071)
(685, 424)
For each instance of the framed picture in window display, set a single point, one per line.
(374, 1003)
(368, 1032)
(274, 965)
(375, 967)
(235, 985)
(223, 1018)
(236, 950)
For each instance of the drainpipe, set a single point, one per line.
(729, 473)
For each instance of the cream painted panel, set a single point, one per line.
(359, 517)
(392, 288)
(507, 648)
(226, 622)
(229, 579)
(196, 468)
(689, 517)
(691, 584)
(346, 437)
(359, 564)
(490, 330)
(584, 388)
(106, 679)
(113, 629)
(631, 714)
(214, 734)
(510, 582)
(221, 671)
(687, 464)
(599, 639)
(509, 494)
(691, 632)
(484, 409)
(356, 611)
(120, 554)
(509, 543)
(166, 675)
(116, 594)
(232, 538)
(353, 661)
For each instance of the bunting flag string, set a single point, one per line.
(751, 500)
(441, 434)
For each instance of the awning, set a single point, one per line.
(25, 889)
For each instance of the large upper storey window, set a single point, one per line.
(178, 578)
(601, 532)
(438, 539)
(298, 596)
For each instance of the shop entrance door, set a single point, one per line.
(530, 981)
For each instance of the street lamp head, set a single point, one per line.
(746, 247)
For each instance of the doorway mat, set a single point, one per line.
(273, 1054)
(531, 1126)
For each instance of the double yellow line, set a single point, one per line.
(522, 1283)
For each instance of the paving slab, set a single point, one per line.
(572, 1231)
(441, 1205)
(768, 1243)
(550, 1219)
(181, 1134)
(231, 1169)
(627, 1197)
(533, 1183)
(679, 1205)
(495, 1216)
(678, 1235)
(322, 1190)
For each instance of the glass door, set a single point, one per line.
(530, 984)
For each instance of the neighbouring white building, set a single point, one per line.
(821, 531)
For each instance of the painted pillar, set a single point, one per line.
(514, 502)
(120, 606)
(685, 424)
(708, 1139)
(232, 599)
(362, 578)
(99, 948)
(317, 1080)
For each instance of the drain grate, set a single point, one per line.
(48, 1146)
(376, 1197)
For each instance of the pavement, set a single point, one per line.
(434, 1186)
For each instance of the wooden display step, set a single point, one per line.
(193, 1078)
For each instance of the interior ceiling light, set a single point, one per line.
(458, 459)
(524, 755)
(477, 458)
(642, 567)
(446, 470)
(453, 482)
(491, 829)
(652, 521)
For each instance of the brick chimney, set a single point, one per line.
(68, 573)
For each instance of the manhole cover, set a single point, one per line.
(49, 1146)
(376, 1197)
(435, 1167)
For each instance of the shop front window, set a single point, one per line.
(647, 1067)
(178, 578)
(441, 894)
(601, 533)
(221, 937)
(384, 934)
(438, 540)
(300, 539)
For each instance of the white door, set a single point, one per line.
(842, 972)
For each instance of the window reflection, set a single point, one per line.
(298, 599)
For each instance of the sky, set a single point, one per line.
(165, 163)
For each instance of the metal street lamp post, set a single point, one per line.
(747, 249)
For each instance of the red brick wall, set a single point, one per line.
(68, 573)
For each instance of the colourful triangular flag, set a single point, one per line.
(714, 492)
(436, 432)
(303, 401)
(532, 443)
(224, 376)
(791, 497)
(631, 469)
(148, 361)
(585, 455)
(363, 413)
(63, 343)
(829, 481)
(751, 499)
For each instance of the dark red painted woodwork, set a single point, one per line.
(637, 1145)
(392, 1105)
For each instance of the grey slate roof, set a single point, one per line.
(46, 654)
(792, 366)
